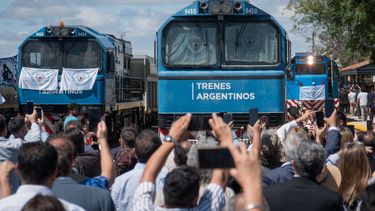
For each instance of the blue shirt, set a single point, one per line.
(125, 185)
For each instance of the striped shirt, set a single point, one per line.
(212, 199)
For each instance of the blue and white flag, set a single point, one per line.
(78, 79)
(38, 79)
(312, 92)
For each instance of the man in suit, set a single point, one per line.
(302, 192)
(90, 198)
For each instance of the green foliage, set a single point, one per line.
(345, 28)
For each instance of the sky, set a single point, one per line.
(138, 20)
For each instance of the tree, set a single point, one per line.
(344, 28)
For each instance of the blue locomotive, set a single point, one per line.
(221, 56)
(59, 65)
(312, 82)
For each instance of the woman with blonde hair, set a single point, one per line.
(355, 172)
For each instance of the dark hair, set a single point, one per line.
(3, 123)
(36, 162)
(368, 202)
(340, 116)
(180, 155)
(72, 106)
(128, 135)
(181, 187)
(76, 136)
(43, 203)
(146, 143)
(65, 157)
(16, 124)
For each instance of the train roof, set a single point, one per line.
(105, 40)
(246, 10)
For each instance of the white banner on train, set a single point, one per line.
(38, 79)
(312, 93)
(78, 79)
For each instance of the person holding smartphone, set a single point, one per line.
(36, 126)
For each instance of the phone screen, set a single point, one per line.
(320, 119)
(30, 107)
(199, 123)
(253, 116)
(108, 122)
(228, 117)
(330, 106)
(38, 112)
(210, 158)
(94, 118)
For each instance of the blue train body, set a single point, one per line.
(312, 81)
(117, 89)
(215, 56)
(95, 96)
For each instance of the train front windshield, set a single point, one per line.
(196, 43)
(306, 69)
(57, 54)
(191, 43)
(248, 43)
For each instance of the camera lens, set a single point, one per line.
(264, 119)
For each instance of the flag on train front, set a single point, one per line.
(78, 79)
(38, 79)
(312, 92)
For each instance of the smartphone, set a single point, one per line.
(351, 127)
(228, 117)
(94, 118)
(108, 122)
(320, 119)
(30, 107)
(211, 158)
(330, 107)
(198, 123)
(253, 116)
(369, 125)
(38, 112)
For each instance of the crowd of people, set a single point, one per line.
(359, 101)
(297, 166)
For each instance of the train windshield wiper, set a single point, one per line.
(239, 35)
(201, 35)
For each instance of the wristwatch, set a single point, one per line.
(168, 138)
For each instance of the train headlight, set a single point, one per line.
(238, 6)
(203, 5)
(310, 60)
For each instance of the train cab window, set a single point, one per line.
(306, 69)
(41, 54)
(191, 43)
(35, 58)
(248, 43)
(82, 54)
